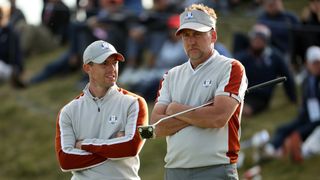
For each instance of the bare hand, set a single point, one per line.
(120, 134)
(78, 144)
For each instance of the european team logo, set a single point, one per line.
(189, 15)
(113, 119)
(104, 45)
(207, 83)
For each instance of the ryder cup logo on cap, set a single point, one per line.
(196, 20)
(189, 15)
(105, 45)
(99, 51)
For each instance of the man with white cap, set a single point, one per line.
(202, 144)
(96, 133)
(264, 63)
(288, 138)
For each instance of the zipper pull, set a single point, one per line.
(98, 109)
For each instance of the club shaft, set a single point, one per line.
(268, 83)
(182, 112)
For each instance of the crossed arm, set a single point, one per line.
(76, 155)
(213, 116)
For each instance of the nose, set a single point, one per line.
(110, 67)
(191, 40)
(113, 66)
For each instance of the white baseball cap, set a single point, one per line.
(260, 30)
(313, 54)
(99, 51)
(196, 20)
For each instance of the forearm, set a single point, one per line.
(212, 116)
(126, 146)
(69, 157)
(169, 127)
(203, 117)
(119, 148)
(73, 160)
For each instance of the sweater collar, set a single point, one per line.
(110, 92)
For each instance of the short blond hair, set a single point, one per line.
(203, 8)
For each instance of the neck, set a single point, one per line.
(98, 91)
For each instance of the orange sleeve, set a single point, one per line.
(126, 148)
(72, 159)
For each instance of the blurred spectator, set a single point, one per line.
(307, 34)
(311, 13)
(222, 49)
(108, 24)
(33, 39)
(11, 63)
(222, 6)
(145, 81)
(263, 63)
(240, 42)
(147, 35)
(86, 9)
(134, 5)
(288, 137)
(311, 146)
(111, 23)
(279, 21)
(16, 15)
(56, 17)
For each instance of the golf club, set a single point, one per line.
(147, 132)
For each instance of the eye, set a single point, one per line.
(184, 34)
(197, 34)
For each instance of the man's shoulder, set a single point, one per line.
(130, 95)
(232, 65)
(74, 102)
(223, 60)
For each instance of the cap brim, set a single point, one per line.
(100, 59)
(193, 26)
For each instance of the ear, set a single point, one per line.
(86, 68)
(214, 36)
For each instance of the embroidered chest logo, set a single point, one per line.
(188, 16)
(113, 119)
(207, 83)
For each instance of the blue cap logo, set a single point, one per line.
(105, 45)
(189, 15)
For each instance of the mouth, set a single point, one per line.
(110, 76)
(192, 50)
